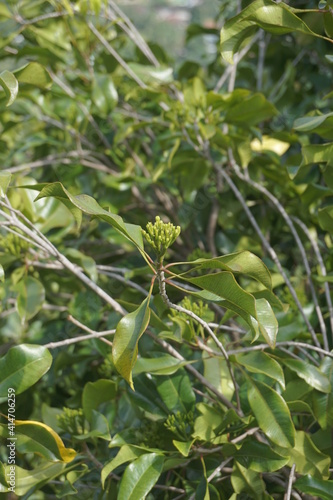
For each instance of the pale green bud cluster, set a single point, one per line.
(13, 244)
(180, 424)
(72, 421)
(160, 236)
(199, 308)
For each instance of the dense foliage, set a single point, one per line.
(165, 254)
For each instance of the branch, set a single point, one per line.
(132, 32)
(115, 54)
(161, 281)
(288, 343)
(316, 250)
(269, 250)
(290, 483)
(171, 350)
(40, 239)
(299, 243)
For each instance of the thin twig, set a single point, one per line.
(171, 350)
(269, 250)
(288, 343)
(132, 32)
(218, 469)
(82, 338)
(322, 266)
(289, 222)
(237, 58)
(115, 54)
(290, 482)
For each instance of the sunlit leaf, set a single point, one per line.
(278, 19)
(314, 377)
(140, 476)
(307, 457)
(10, 85)
(22, 367)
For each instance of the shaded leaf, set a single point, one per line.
(272, 414)
(316, 487)
(125, 343)
(323, 403)
(260, 457)
(176, 392)
(95, 393)
(256, 312)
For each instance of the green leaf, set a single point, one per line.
(5, 178)
(10, 85)
(89, 205)
(307, 457)
(30, 298)
(260, 362)
(316, 487)
(206, 425)
(125, 343)
(260, 457)
(238, 263)
(321, 124)
(95, 393)
(140, 477)
(202, 490)
(323, 403)
(309, 373)
(184, 447)
(36, 437)
(22, 367)
(25, 480)
(272, 414)
(162, 365)
(317, 153)
(176, 392)
(104, 94)
(325, 217)
(253, 110)
(249, 481)
(266, 14)
(127, 453)
(34, 74)
(256, 312)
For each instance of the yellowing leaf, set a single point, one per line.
(270, 144)
(41, 439)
